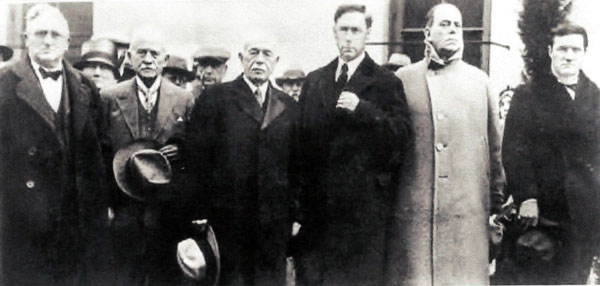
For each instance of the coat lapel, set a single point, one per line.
(274, 108)
(80, 98)
(127, 102)
(30, 91)
(327, 84)
(246, 101)
(165, 108)
(362, 77)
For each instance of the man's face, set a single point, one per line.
(445, 33)
(47, 40)
(100, 73)
(351, 34)
(178, 78)
(567, 54)
(210, 71)
(147, 58)
(292, 87)
(258, 60)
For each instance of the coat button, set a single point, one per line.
(440, 116)
(30, 184)
(32, 151)
(440, 146)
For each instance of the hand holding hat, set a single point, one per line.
(190, 259)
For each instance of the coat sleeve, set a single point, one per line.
(517, 148)
(497, 177)
(388, 114)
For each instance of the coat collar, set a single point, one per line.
(247, 103)
(29, 90)
(362, 78)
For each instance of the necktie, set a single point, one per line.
(343, 78)
(147, 104)
(258, 96)
(50, 74)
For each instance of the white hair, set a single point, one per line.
(45, 9)
(148, 34)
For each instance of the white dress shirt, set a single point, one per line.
(151, 93)
(263, 89)
(352, 66)
(52, 88)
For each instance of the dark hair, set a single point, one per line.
(431, 11)
(567, 28)
(347, 8)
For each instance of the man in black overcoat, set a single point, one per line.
(53, 209)
(354, 130)
(551, 154)
(240, 139)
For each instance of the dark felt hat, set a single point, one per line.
(290, 74)
(178, 64)
(141, 171)
(6, 52)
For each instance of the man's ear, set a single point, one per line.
(426, 32)
(241, 57)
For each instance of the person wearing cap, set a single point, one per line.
(53, 207)
(291, 82)
(145, 107)
(239, 144)
(99, 62)
(396, 61)
(176, 71)
(210, 66)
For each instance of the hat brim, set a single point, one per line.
(281, 80)
(80, 65)
(205, 238)
(120, 172)
(188, 74)
(7, 53)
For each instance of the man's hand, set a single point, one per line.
(191, 260)
(529, 213)
(170, 151)
(347, 100)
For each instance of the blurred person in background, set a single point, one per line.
(99, 62)
(210, 66)
(291, 82)
(176, 71)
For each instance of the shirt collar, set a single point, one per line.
(352, 65)
(263, 87)
(36, 68)
(152, 89)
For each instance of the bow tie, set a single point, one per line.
(433, 65)
(573, 87)
(50, 74)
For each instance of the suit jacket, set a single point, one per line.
(53, 204)
(239, 156)
(154, 225)
(551, 151)
(349, 162)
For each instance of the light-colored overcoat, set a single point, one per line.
(439, 233)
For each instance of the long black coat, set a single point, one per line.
(53, 204)
(551, 152)
(239, 160)
(350, 162)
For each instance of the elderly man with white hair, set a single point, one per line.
(240, 140)
(145, 108)
(52, 206)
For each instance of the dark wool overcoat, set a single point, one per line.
(239, 160)
(551, 152)
(52, 201)
(349, 163)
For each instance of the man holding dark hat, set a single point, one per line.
(99, 62)
(145, 107)
(210, 66)
(176, 71)
(291, 82)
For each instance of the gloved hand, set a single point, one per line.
(529, 213)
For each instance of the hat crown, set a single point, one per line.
(216, 52)
(177, 62)
(149, 168)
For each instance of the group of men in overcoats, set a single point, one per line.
(381, 179)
